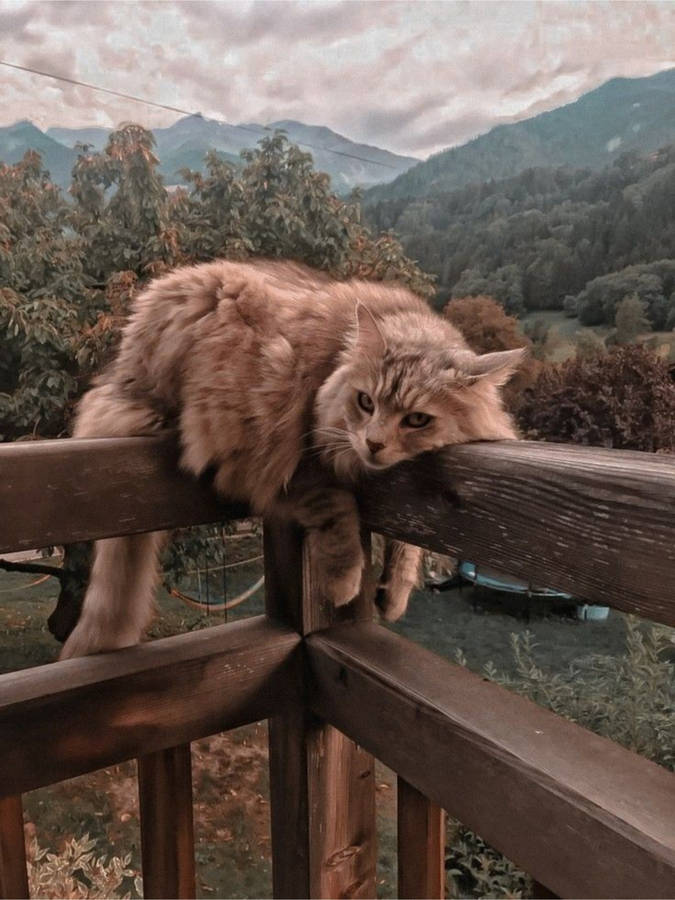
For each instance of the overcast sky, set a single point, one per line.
(412, 77)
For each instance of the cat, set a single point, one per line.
(289, 386)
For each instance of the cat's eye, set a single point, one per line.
(416, 420)
(365, 402)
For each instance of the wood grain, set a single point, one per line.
(582, 815)
(64, 491)
(421, 845)
(322, 785)
(599, 524)
(13, 873)
(167, 833)
(64, 719)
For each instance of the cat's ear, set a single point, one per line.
(495, 367)
(368, 335)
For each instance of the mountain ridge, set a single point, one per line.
(620, 115)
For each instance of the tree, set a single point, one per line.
(630, 319)
(624, 400)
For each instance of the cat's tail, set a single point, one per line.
(119, 602)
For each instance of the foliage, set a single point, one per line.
(629, 699)
(487, 328)
(79, 872)
(478, 870)
(630, 319)
(549, 238)
(42, 280)
(623, 400)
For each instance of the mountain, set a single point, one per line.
(16, 139)
(621, 115)
(185, 143)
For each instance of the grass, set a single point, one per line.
(565, 331)
(231, 786)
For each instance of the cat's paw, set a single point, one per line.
(86, 640)
(341, 589)
(392, 600)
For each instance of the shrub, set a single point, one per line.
(79, 872)
(625, 400)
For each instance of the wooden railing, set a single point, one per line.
(585, 817)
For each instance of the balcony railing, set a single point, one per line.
(585, 817)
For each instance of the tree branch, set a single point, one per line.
(31, 568)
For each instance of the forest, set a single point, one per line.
(551, 238)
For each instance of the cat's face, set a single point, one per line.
(398, 395)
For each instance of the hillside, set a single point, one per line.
(621, 115)
(185, 143)
(551, 238)
(17, 139)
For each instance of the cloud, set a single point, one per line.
(414, 77)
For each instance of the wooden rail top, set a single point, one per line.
(599, 524)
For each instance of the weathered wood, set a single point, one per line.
(537, 787)
(599, 524)
(64, 491)
(322, 786)
(64, 719)
(167, 834)
(421, 845)
(13, 872)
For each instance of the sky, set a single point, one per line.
(411, 77)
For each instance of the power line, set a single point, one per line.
(185, 112)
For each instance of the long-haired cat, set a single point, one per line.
(268, 370)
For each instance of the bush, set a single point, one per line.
(625, 400)
(629, 699)
(79, 872)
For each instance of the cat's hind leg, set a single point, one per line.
(119, 603)
(402, 564)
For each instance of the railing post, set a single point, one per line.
(167, 838)
(322, 785)
(13, 872)
(421, 845)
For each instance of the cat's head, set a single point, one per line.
(406, 384)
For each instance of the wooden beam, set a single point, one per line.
(322, 785)
(582, 815)
(421, 845)
(64, 491)
(13, 872)
(67, 718)
(167, 834)
(599, 524)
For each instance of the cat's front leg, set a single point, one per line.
(331, 518)
(402, 563)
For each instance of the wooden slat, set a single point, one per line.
(167, 834)
(322, 785)
(582, 815)
(421, 845)
(64, 719)
(13, 873)
(74, 490)
(599, 524)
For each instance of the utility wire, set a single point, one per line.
(186, 112)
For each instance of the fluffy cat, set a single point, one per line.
(270, 370)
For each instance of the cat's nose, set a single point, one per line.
(374, 446)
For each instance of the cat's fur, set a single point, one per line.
(260, 366)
